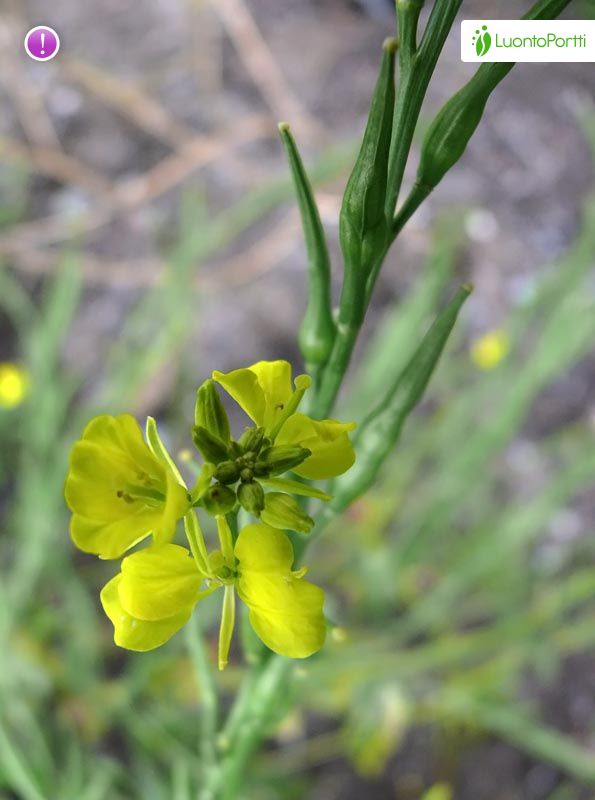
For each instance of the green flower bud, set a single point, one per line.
(281, 511)
(279, 458)
(219, 499)
(211, 448)
(251, 497)
(251, 440)
(227, 472)
(209, 412)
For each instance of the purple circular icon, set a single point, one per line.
(42, 43)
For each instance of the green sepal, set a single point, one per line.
(251, 497)
(317, 330)
(380, 431)
(281, 511)
(211, 448)
(363, 224)
(296, 487)
(228, 616)
(159, 450)
(203, 481)
(210, 413)
(218, 500)
(280, 458)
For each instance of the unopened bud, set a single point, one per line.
(251, 440)
(251, 497)
(227, 472)
(279, 458)
(210, 446)
(210, 413)
(281, 511)
(219, 499)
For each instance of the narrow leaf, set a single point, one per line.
(318, 329)
(381, 430)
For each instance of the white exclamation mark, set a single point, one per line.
(43, 44)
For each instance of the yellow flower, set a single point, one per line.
(14, 385)
(264, 391)
(118, 490)
(157, 589)
(489, 350)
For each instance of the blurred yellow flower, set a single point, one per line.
(489, 350)
(14, 385)
(440, 791)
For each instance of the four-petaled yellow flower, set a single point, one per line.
(121, 490)
(156, 591)
(265, 393)
(118, 491)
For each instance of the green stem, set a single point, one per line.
(208, 697)
(336, 367)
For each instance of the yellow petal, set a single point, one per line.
(243, 386)
(262, 390)
(135, 634)
(332, 450)
(285, 611)
(260, 548)
(274, 378)
(110, 539)
(176, 505)
(159, 582)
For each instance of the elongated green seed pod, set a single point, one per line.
(363, 224)
(317, 330)
(380, 432)
(457, 120)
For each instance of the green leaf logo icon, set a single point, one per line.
(482, 40)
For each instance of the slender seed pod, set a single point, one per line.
(457, 120)
(317, 330)
(451, 129)
(363, 224)
(380, 432)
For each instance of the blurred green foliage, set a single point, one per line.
(450, 583)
